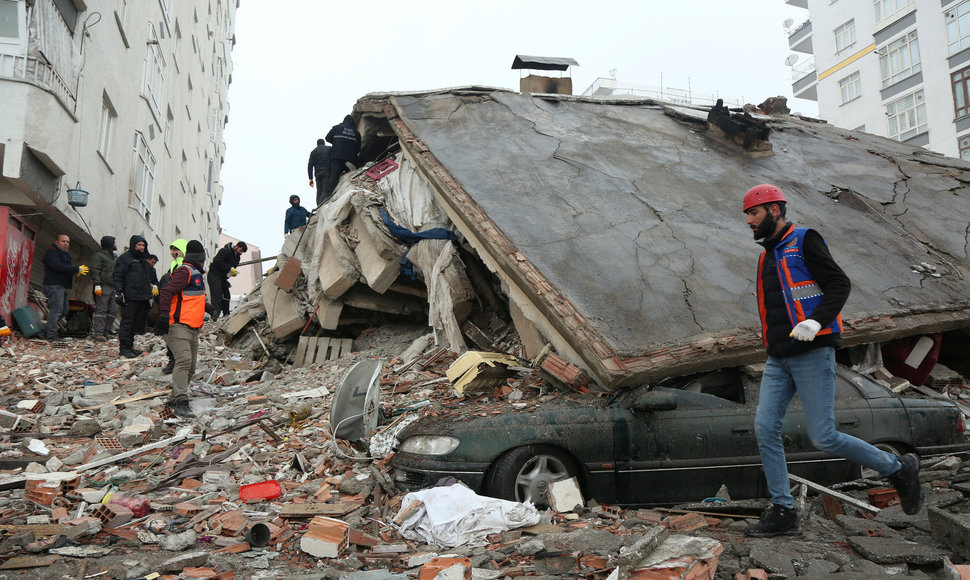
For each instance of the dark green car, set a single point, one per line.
(677, 441)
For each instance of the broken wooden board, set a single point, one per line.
(28, 562)
(37, 529)
(307, 510)
(314, 349)
(116, 402)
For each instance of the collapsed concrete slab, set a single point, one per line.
(616, 226)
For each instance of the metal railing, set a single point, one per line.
(38, 73)
(803, 70)
(609, 87)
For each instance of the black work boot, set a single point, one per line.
(169, 368)
(180, 409)
(906, 482)
(777, 521)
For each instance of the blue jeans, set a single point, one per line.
(812, 376)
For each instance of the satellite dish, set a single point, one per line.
(353, 413)
(788, 23)
(791, 59)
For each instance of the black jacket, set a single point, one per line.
(226, 259)
(831, 279)
(133, 275)
(346, 140)
(319, 161)
(59, 268)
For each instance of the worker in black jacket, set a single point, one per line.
(134, 287)
(346, 146)
(59, 272)
(319, 167)
(223, 267)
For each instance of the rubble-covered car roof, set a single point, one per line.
(617, 224)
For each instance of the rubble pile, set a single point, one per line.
(97, 478)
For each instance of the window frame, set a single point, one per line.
(840, 33)
(143, 180)
(106, 127)
(963, 145)
(153, 78)
(901, 6)
(963, 84)
(951, 21)
(893, 53)
(853, 83)
(916, 112)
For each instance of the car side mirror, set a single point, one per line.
(653, 401)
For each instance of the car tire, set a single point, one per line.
(524, 473)
(896, 449)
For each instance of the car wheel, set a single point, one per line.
(524, 474)
(890, 448)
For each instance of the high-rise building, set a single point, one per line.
(111, 119)
(896, 68)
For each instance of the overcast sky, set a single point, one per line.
(300, 65)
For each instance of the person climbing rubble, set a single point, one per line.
(296, 215)
(222, 268)
(318, 168)
(346, 146)
(181, 312)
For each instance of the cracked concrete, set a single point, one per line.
(632, 278)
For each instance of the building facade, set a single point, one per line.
(112, 119)
(895, 68)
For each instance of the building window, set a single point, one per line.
(176, 43)
(144, 178)
(851, 87)
(68, 12)
(957, 27)
(845, 36)
(211, 177)
(169, 124)
(899, 59)
(9, 22)
(213, 121)
(166, 6)
(886, 9)
(961, 94)
(907, 116)
(106, 128)
(154, 76)
(964, 143)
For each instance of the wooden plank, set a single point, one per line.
(840, 496)
(323, 349)
(306, 510)
(151, 395)
(301, 351)
(311, 351)
(28, 562)
(38, 529)
(346, 346)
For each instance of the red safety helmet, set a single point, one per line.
(764, 193)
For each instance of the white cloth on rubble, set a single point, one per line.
(455, 515)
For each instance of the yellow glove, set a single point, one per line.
(311, 183)
(5, 331)
(97, 290)
(154, 290)
(83, 270)
(233, 272)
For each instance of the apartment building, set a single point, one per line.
(896, 68)
(112, 119)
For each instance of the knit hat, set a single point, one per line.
(195, 251)
(108, 243)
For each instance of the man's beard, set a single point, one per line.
(766, 227)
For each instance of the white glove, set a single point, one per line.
(805, 330)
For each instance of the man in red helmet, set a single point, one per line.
(801, 291)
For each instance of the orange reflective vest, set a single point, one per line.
(801, 292)
(188, 306)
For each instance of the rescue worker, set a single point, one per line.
(59, 272)
(222, 268)
(177, 250)
(102, 276)
(181, 312)
(346, 147)
(134, 289)
(296, 215)
(801, 291)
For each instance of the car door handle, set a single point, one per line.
(741, 430)
(849, 423)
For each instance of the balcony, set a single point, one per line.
(33, 71)
(805, 80)
(800, 39)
